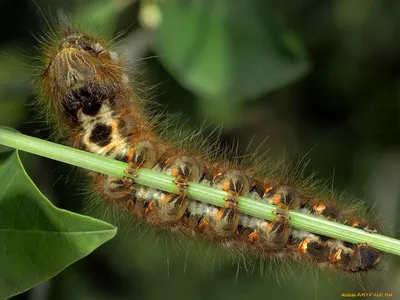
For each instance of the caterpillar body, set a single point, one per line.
(84, 86)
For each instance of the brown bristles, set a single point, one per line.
(85, 86)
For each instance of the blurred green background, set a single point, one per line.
(309, 74)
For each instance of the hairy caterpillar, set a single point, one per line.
(84, 86)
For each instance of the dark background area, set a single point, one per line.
(320, 78)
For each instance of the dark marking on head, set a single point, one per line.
(87, 98)
(101, 135)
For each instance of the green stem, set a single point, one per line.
(195, 191)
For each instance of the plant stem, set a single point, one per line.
(195, 191)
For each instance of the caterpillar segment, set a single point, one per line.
(170, 207)
(143, 154)
(236, 184)
(328, 211)
(344, 256)
(265, 236)
(85, 87)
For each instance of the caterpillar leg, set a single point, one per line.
(141, 154)
(278, 231)
(226, 219)
(170, 207)
(272, 234)
(115, 188)
(282, 196)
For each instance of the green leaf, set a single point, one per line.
(228, 48)
(38, 240)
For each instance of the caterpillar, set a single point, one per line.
(84, 86)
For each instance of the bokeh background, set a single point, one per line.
(308, 74)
